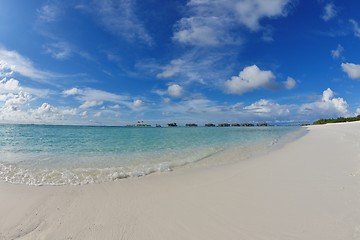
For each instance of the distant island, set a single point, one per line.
(139, 124)
(336, 120)
(174, 124)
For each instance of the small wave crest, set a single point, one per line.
(12, 173)
(80, 176)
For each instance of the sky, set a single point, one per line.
(117, 62)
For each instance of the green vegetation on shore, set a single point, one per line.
(337, 120)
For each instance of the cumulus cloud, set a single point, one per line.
(45, 108)
(336, 53)
(267, 108)
(249, 79)
(211, 22)
(72, 91)
(250, 12)
(352, 70)
(19, 104)
(10, 85)
(175, 90)
(138, 103)
(15, 101)
(328, 106)
(356, 28)
(48, 113)
(11, 93)
(6, 70)
(290, 83)
(329, 12)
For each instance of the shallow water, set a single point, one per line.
(58, 155)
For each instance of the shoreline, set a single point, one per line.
(121, 161)
(305, 189)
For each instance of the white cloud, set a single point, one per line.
(290, 83)
(49, 113)
(173, 68)
(329, 12)
(352, 70)
(249, 79)
(175, 90)
(166, 100)
(99, 95)
(98, 114)
(202, 110)
(14, 101)
(13, 86)
(48, 13)
(90, 104)
(267, 108)
(59, 50)
(72, 91)
(45, 109)
(6, 70)
(356, 28)
(116, 106)
(12, 94)
(24, 66)
(118, 17)
(210, 22)
(93, 97)
(201, 31)
(10, 85)
(357, 112)
(337, 52)
(328, 106)
(138, 103)
(17, 103)
(196, 66)
(70, 111)
(250, 12)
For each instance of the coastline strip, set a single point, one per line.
(307, 189)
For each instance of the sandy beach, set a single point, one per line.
(306, 189)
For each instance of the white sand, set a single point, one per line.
(309, 189)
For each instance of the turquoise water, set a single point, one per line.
(58, 155)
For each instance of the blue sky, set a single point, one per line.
(116, 62)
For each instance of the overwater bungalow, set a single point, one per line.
(223, 125)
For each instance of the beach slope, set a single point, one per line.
(307, 189)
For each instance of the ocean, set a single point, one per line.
(76, 155)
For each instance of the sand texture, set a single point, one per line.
(307, 189)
